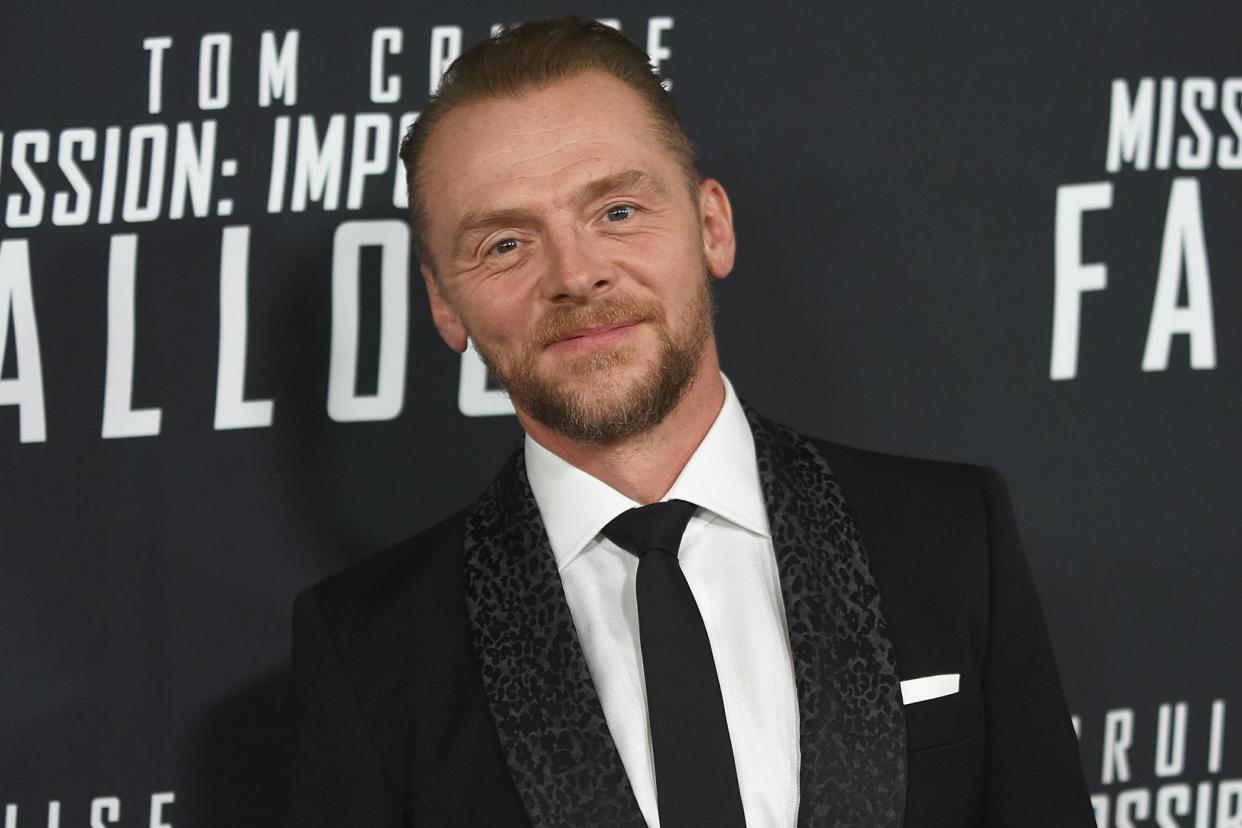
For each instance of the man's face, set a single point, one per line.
(568, 247)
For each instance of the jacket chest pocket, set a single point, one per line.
(942, 719)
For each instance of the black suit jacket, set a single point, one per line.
(441, 682)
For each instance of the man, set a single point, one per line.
(527, 660)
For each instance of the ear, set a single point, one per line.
(452, 331)
(719, 244)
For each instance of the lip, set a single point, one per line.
(595, 336)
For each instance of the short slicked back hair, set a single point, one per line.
(526, 58)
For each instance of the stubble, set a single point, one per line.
(589, 400)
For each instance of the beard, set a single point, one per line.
(609, 408)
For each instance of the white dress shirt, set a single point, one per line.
(729, 563)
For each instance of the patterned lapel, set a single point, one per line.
(852, 736)
(559, 750)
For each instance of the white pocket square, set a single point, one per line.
(929, 687)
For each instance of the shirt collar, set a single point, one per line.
(722, 476)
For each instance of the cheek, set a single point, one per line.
(500, 319)
(672, 271)
(659, 263)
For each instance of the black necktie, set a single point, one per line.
(696, 779)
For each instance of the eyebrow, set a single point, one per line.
(590, 191)
(624, 180)
(475, 222)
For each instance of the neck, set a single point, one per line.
(645, 466)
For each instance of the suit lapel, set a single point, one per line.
(852, 728)
(557, 744)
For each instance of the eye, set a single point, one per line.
(504, 246)
(621, 212)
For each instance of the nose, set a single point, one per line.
(576, 271)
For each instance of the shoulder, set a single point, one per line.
(869, 475)
(372, 593)
(922, 487)
(896, 501)
(413, 585)
(892, 494)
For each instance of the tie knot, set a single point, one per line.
(654, 526)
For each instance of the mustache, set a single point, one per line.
(563, 321)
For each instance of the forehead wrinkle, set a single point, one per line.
(553, 175)
(579, 144)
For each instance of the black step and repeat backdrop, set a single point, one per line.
(1009, 235)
